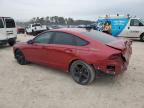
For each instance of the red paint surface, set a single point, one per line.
(95, 53)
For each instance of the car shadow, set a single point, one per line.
(102, 81)
(135, 40)
(50, 69)
(4, 46)
(111, 81)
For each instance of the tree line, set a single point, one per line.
(56, 20)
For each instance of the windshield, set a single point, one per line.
(99, 36)
(142, 21)
(36, 25)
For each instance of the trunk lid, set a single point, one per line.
(119, 44)
(123, 45)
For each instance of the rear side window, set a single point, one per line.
(99, 36)
(63, 39)
(80, 42)
(10, 23)
(1, 24)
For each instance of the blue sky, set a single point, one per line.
(77, 9)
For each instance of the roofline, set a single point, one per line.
(5, 17)
(70, 30)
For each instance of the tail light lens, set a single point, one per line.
(116, 57)
(130, 42)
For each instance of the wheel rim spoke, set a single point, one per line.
(80, 78)
(85, 75)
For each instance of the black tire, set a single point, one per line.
(20, 58)
(82, 73)
(27, 33)
(33, 33)
(12, 42)
(142, 37)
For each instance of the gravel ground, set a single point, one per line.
(34, 86)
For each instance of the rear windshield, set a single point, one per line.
(10, 23)
(100, 36)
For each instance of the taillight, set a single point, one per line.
(116, 57)
(128, 43)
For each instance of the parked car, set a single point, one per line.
(8, 31)
(81, 52)
(20, 30)
(34, 29)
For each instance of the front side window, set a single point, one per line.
(1, 24)
(135, 22)
(63, 39)
(43, 38)
(10, 23)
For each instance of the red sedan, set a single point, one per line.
(81, 52)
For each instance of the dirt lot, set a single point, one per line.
(34, 86)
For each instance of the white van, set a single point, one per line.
(8, 31)
(123, 26)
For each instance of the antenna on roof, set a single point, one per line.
(106, 16)
(128, 15)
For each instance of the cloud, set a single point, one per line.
(78, 9)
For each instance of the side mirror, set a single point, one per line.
(30, 42)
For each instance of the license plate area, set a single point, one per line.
(9, 32)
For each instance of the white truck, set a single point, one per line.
(8, 31)
(120, 25)
(34, 29)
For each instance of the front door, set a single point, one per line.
(36, 51)
(134, 30)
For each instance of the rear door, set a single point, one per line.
(11, 30)
(2, 30)
(62, 50)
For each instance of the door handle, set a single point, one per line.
(68, 51)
